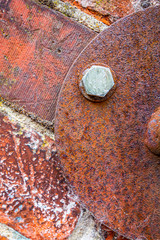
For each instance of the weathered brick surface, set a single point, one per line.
(34, 197)
(114, 8)
(105, 11)
(37, 47)
(109, 11)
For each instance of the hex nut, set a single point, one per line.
(96, 83)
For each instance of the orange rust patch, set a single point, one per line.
(3, 238)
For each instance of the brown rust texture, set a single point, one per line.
(101, 145)
(37, 47)
(34, 197)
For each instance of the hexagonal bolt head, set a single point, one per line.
(96, 82)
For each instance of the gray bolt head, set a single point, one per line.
(97, 81)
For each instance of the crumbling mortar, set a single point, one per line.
(26, 119)
(87, 226)
(46, 124)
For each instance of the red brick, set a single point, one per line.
(114, 8)
(34, 197)
(37, 48)
(105, 11)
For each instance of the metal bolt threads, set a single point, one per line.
(97, 83)
(153, 133)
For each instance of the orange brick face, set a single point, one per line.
(3, 238)
(37, 47)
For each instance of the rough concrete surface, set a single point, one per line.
(86, 229)
(8, 233)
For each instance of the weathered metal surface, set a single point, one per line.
(153, 133)
(101, 145)
(34, 197)
(37, 47)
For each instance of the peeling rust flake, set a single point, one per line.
(34, 197)
(102, 144)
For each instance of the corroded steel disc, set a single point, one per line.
(102, 144)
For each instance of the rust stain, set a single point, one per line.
(101, 145)
(34, 197)
(37, 47)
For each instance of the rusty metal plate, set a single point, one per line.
(37, 47)
(102, 144)
(34, 197)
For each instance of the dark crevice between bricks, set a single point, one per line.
(48, 3)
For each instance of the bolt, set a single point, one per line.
(153, 133)
(97, 82)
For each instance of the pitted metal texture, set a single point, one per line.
(101, 145)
